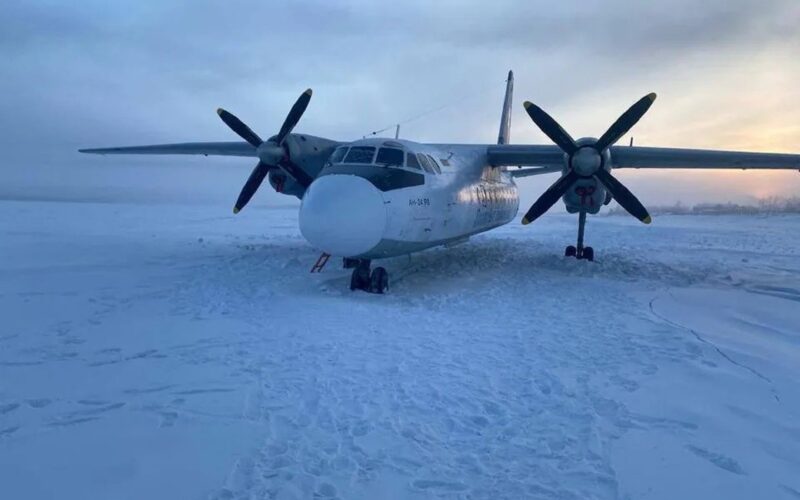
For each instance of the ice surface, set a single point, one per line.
(179, 352)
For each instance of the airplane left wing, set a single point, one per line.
(501, 155)
(644, 157)
(527, 172)
(186, 148)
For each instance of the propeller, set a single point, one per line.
(585, 161)
(271, 153)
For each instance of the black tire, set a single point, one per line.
(379, 281)
(360, 280)
(588, 254)
(571, 251)
(355, 280)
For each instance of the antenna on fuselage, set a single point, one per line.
(450, 104)
(397, 132)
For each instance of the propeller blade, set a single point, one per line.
(624, 197)
(240, 128)
(625, 122)
(294, 116)
(297, 173)
(551, 128)
(253, 182)
(550, 197)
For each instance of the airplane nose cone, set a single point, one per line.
(343, 215)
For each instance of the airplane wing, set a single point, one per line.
(501, 155)
(645, 157)
(527, 172)
(186, 148)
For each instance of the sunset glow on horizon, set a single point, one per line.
(726, 72)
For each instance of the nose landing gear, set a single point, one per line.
(580, 252)
(376, 281)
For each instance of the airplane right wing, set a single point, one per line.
(186, 148)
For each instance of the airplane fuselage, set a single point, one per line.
(371, 210)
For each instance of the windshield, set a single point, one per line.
(390, 157)
(338, 155)
(360, 154)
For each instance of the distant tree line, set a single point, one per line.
(762, 206)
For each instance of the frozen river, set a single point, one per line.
(179, 352)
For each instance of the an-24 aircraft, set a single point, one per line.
(376, 198)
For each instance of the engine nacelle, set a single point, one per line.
(587, 193)
(283, 183)
(306, 152)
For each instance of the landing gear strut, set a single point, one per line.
(580, 252)
(376, 281)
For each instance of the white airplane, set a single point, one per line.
(377, 198)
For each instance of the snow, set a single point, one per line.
(181, 352)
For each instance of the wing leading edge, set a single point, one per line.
(186, 148)
(646, 157)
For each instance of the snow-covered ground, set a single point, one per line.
(180, 352)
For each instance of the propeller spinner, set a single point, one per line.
(587, 160)
(272, 153)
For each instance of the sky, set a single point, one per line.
(96, 73)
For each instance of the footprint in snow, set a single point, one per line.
(433, 484)
(8, 431)
(71, 421)
(39, 403)
(148, 390)
(8, 408)
(97, 408)
(721, 461)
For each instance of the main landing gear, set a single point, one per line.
(376, 281)
(580, 252)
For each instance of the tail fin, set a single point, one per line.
(505, 119)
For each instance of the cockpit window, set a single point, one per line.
(435, 165)
(426, 163)
(411, 161)
(338, 155)
(390, 157)
(360, 154)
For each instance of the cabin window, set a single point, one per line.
(426, 163)
(390, 157)
(360, 154)
(435, 165)
(338, 155)
(411, 161)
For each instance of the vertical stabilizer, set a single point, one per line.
(505, 119)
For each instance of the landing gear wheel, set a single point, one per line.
(571, 251)
(379, 282)
(359, 280)
(588, 254)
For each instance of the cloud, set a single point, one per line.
(99, 73)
